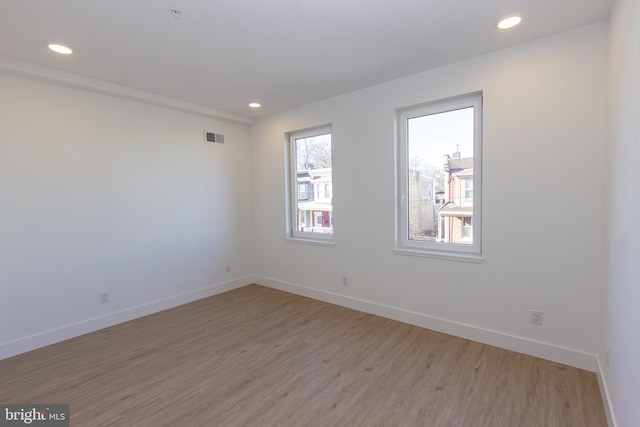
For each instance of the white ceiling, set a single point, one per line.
(222, 54)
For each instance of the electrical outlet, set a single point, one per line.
(228, 268)
(345, 281)
(536, 317)
(607, 350)
(104, 297)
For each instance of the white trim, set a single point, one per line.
(606, 397)
(52, 336)
(318, 242)
(24, 69)
(451, 256)
(555, 353)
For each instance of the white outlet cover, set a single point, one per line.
(536, 317)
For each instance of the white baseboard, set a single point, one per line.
(518, 344)
(606, 397)
(510, 342)
(32, 342)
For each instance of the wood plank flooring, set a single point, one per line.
(260, 357)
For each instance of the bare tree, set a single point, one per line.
(314, 152)
(433, 171)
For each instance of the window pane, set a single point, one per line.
(313, 168)
(440, 176)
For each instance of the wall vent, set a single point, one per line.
(213, 138)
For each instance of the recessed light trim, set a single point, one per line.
(60, 48)
(509, 22)
(254, 105)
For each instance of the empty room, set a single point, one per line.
(338, 213)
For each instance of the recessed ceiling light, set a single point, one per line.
(60, 48)
(254, 105)
(509, 22)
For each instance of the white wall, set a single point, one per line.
(103, 194)
(543, 207)
(622, 291)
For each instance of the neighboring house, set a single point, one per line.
(456, 212)
(315, 211)
(422, 217)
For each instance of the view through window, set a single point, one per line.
(311, 174)
(440, 151)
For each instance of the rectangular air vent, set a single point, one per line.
(214, 138)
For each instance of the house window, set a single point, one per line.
(440, 142)
(323, 191)
(466, 228)
(468, 189)
(302, 191)
(309, 185)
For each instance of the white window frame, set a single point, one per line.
(292, 233)
(457, 251)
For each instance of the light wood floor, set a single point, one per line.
(260, 357)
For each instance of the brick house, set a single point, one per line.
(315, 210)
(455, 215)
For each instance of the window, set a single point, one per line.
(439, 146)
(303, 191)
(466, 228)
(323, 191)
(468, 189)
(309, 184)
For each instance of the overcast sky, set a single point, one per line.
(434, 135)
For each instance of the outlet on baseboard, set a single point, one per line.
(345, 281)
(536, 317)
(228, 268)
(104, 297)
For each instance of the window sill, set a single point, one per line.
(328, 243)
(451, 256)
